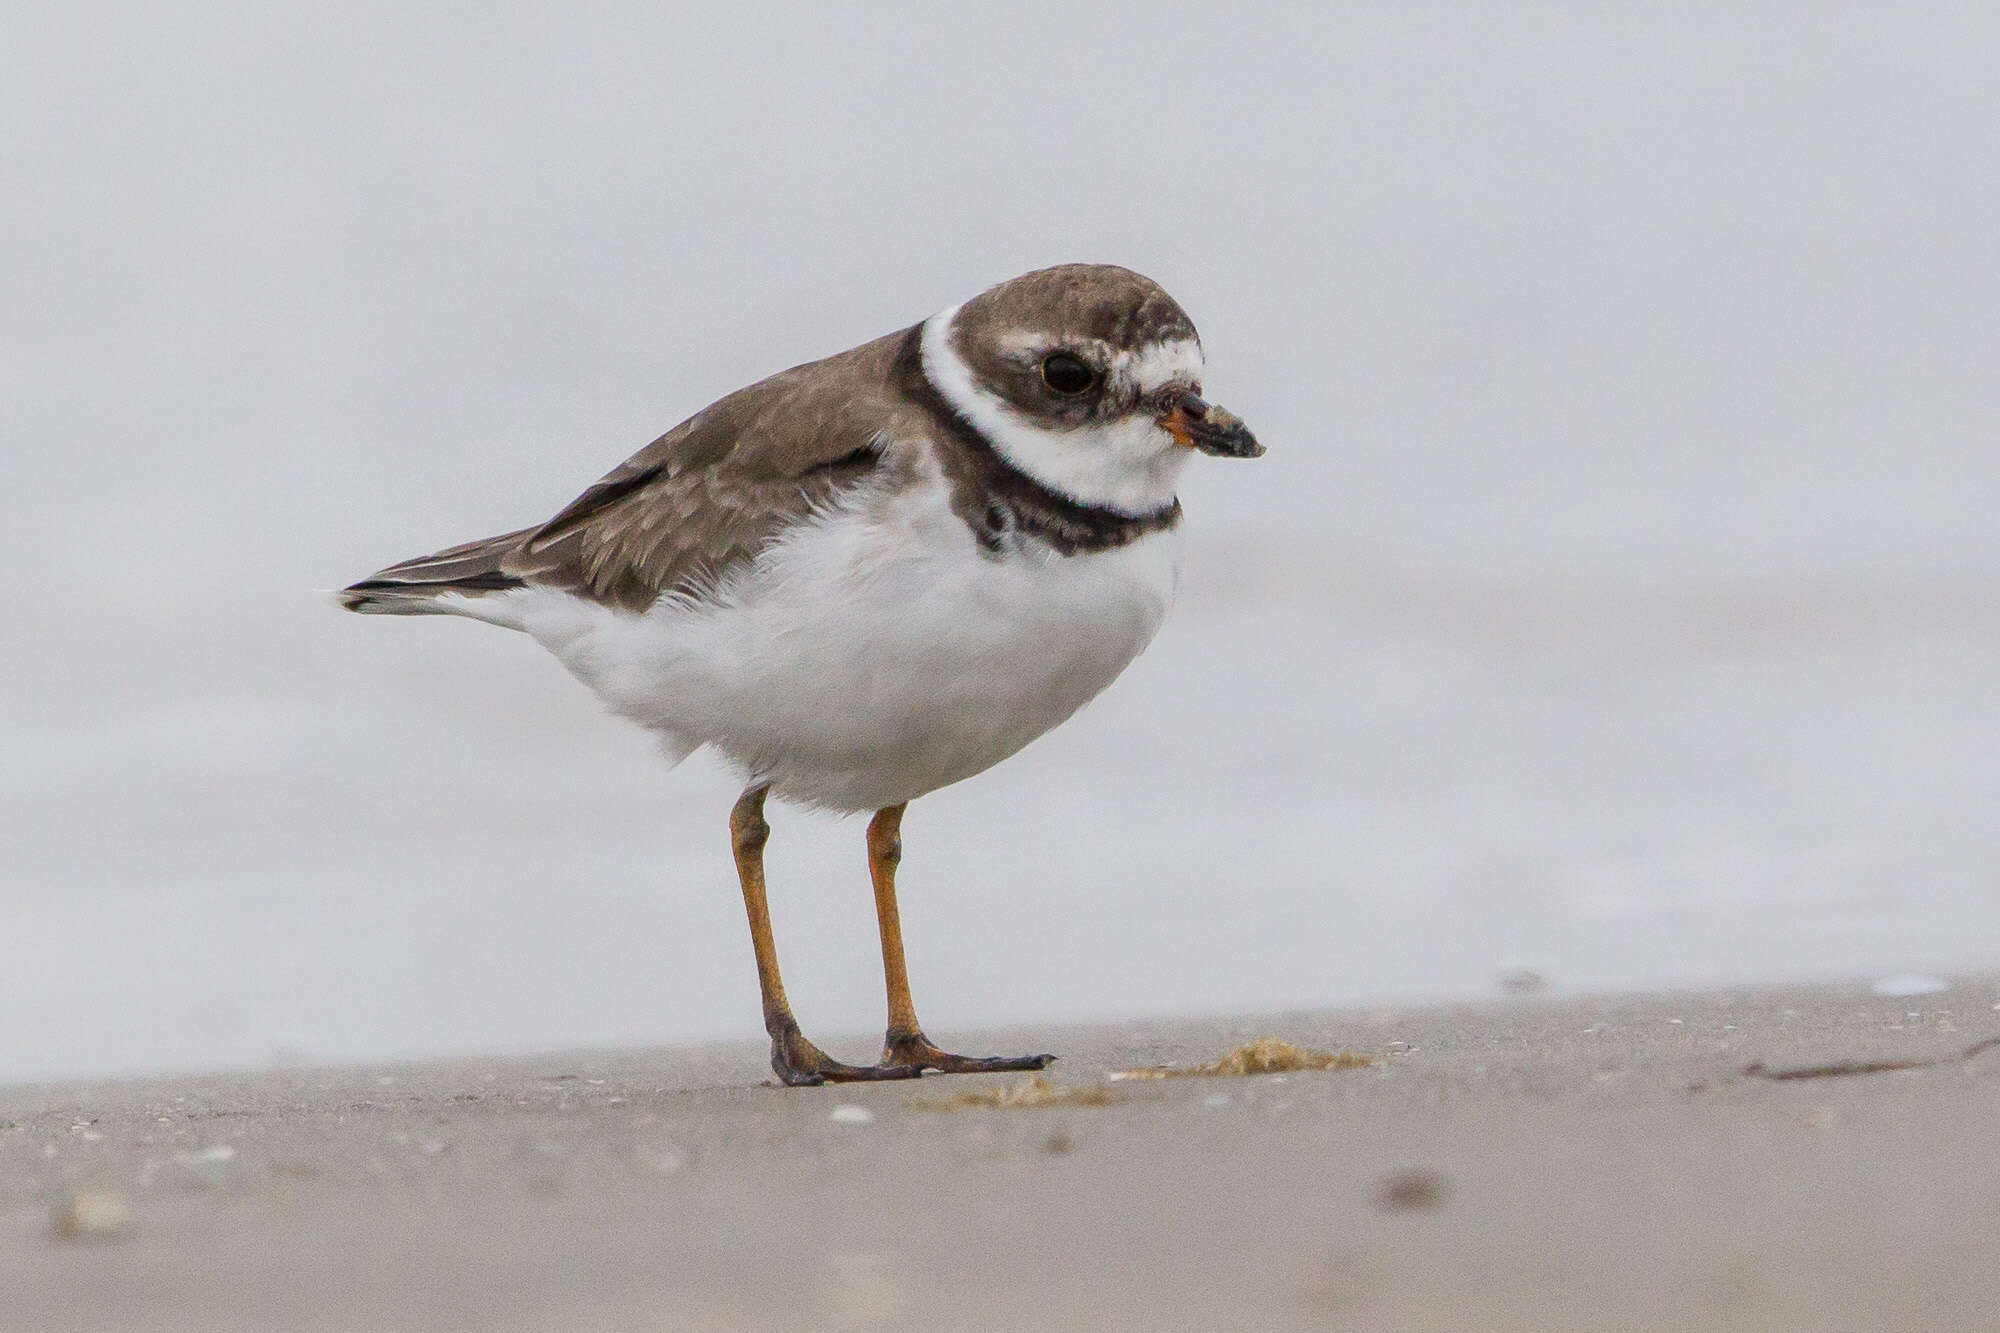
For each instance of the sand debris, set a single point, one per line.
(1416, 1188)
(1265, 1055)
(1843, 1068)
(1034, 1090)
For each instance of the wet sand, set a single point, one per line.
(1821, 1158)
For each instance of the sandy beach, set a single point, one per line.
(1817, 1158)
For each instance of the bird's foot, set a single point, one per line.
(901, 1050)
(800, 1064)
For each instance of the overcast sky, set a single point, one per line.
(1583, 340)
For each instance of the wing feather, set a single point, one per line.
(705, 498)
(694, 505)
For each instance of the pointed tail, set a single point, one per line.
(438, 584)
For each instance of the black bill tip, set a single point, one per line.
(1211, 429)
(1232, 442)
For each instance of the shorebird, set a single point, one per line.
(872, 576)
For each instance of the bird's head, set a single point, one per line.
(1088, 378)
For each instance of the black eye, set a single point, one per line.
(1066, 374)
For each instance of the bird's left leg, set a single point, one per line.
(905, 1043)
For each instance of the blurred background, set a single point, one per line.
(1619, 601)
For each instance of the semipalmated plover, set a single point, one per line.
(868, 577)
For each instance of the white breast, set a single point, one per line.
(876, 653)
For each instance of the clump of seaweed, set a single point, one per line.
(1034, 1090)
(1265, 1055)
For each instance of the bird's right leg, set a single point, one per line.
(905, 1044)
(796, 1061)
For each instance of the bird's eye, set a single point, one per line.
(1066, 374)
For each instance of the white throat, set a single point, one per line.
(1132, 465)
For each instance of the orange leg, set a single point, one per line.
(796, 1061)
(905, 1044)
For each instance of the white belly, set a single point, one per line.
(876, 654)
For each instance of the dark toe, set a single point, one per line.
(797, 1078)
(922, 1053)
(993, 1064)
(870, 1073)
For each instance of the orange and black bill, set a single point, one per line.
(1211, 429)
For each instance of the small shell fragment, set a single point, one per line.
(88, 1216)
(1909, 983)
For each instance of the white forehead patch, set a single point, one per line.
(1156, 365)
